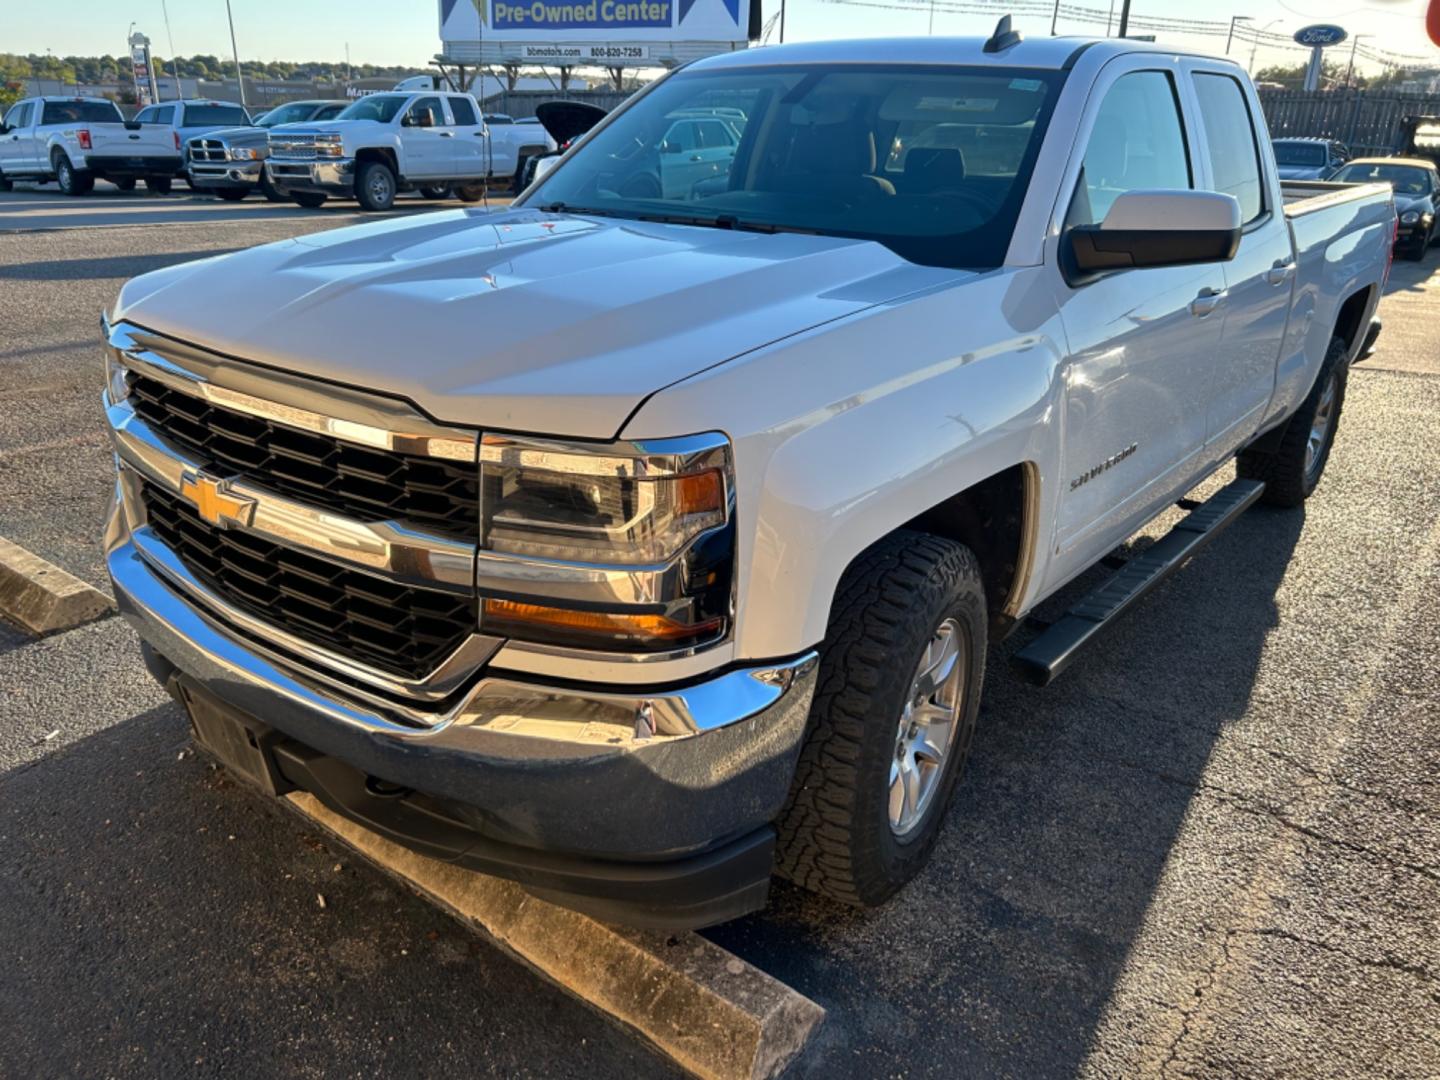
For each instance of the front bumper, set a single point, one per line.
(231, 174)
(111, 165)
(544, 785)
(332, 177)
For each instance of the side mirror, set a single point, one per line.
(1159, 228)
(668, 147)
(4, 128)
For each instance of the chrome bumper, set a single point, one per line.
(226, 174)
(332, 176)
(608, 773)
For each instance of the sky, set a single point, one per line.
(407, 31)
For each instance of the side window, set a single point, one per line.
(1230, 140)
(145, 116)
(463, 111)
(165, 115)
(19, 116)
(681, 137)
(713, 134)
(1137, 143)
(424, 105)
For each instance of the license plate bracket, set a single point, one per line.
(235, 739)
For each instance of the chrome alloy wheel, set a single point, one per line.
(1320, 426)
(380, 187)
(928, 726)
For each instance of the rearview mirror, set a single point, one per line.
(1159, 228)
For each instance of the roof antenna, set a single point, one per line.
(1004, 37)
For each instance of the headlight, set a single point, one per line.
(245, 153)
(658, 511)
(117, 377)
(1409, 217)
(329, 150)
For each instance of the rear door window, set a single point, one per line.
(165, 115)
(463, 111)
(228, 115)
(1137, 143)
(1230, 142)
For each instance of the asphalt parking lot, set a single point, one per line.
(1212, 848)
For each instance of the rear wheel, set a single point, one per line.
(1293, 469)
(470, 192)
(435, 191)
(375, 186)
(125, 183)
(160, 185)
(890, 728)
(311, 200)
(70, 179)
(230, 194)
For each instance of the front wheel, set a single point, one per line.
(375, 186)
(1293, 469)
(890, 728)
(159, 185)
(310, 200)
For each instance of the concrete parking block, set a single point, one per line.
(709, 1011)
(40, 597)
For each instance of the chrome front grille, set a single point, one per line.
(368, 484)
(293, 147)
(208, 150)
(395, 628)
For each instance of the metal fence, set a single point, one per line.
(1367, 122)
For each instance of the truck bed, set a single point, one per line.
(1308, 196)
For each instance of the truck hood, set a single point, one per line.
(519, 320)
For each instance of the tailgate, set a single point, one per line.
(115, 140)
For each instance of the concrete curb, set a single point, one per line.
(710, 1012)
(40, 597)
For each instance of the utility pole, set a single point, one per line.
(1349, 71)
(782, 22)
(1124, 17)
(1054, 17)
(235, 49)
(1231, 36)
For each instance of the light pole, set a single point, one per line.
(235, 49)
(1231, 35)
(1255, 43)
(1054, 17)
(1124, 17)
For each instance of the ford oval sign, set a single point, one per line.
(1317, 37)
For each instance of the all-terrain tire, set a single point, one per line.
(835, 832)
(1290, 473)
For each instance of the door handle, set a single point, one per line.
(446, 134)
(1208, 300)
(1280, 272)
(696, 157)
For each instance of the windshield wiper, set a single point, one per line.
(562, 208)
(725, 221)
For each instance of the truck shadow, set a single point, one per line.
(158, 920)
(1001, 957)
(102, 267)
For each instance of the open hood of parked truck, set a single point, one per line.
(566, 120)
(519, 320)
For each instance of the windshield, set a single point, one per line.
(1294, 153)
(287, 114)
(228, 115)
(381, 107)
(932, 162)
(1406, 179)
(81, 112)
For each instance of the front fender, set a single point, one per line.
(849, 431)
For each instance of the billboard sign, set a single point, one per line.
(145, 91)
(615, 33)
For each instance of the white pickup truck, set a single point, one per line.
(77, 140)
(433, 142)
(640, 546)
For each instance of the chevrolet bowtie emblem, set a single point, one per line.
(213, 503)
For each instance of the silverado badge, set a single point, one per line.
(1108, 463)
